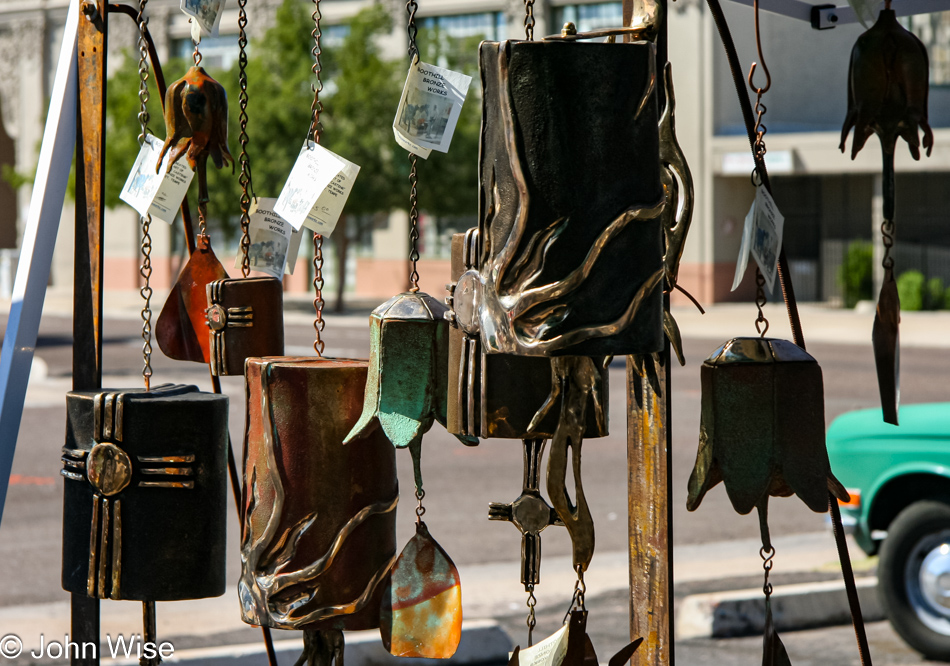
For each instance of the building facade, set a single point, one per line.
(827, 199)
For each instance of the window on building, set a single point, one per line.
(488, 25)
(934, 31)
(589, 17)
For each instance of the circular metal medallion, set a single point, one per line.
(217, 317)
(464, 302)
(108, 469)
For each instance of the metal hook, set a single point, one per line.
(758, 46)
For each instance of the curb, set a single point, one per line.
(804, 606)
(482, 642)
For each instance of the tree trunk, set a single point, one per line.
(342, 243)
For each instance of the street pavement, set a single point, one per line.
(714, 548)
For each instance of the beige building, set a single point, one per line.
(827, 199)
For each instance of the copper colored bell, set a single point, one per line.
(762, 431)
(498, 395)
(145, 498)
(245, 318)
(319, 533)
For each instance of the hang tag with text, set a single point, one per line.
(156, 193)
(761, 237)
(767, 235)
(429, 108)
(274, 242)
(549, 652)
(329, 207)
(206, 15)
(316, 167)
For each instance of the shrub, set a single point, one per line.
(856, 274)
(934, 294)
(910, 288)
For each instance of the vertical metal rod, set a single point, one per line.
(87, 296)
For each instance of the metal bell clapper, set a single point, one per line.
(406, 389)
(888, 86)
(762, 431)
(319, 532)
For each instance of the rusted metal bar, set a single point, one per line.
(649, 461)
(87, 277)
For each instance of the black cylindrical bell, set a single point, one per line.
(146, 493)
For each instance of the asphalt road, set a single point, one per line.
(460, 481)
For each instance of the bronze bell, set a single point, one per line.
(245, 318)
(762, 431)
(499, 395)
(319, 532)
(145, 497)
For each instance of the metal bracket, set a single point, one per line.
(824, 17)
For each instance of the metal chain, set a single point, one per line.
(767, 556)
(247, 186)
(420, 510)
(145, 270)
(197, 54)
(761, 323)
(316, 129)
(580, 590)
(532, 620)
(318, 323)
(529, 20)
(887, 233)
(412, 30)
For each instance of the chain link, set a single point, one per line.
(420, 510)
(412, 30)
(532, 620)
(318, 323)
(580, 591)
(887, 234)
(761, 323)
(247, 187)
(529, 20)
(413, 224)
(767, 563)
(145, 270)
(316, 129)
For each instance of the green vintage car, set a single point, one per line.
(899, 479)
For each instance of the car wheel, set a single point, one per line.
(914, 577)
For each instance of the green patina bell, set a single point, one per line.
(762, 431)
(407, 385)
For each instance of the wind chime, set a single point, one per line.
(145, 473)
(318, 538)
(565, 268)
(888, 85)
(421, 613)
(208, 317)
(762, 429)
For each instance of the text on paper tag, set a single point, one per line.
(274, 242)
(429, 108)
(314, 169)
(156, 193)
(206, 13)
(549, 652)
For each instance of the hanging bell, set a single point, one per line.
(762, 431)
(319, 533)
(406, 390)
(570, 258)
(181, 326)
(245, 318)
(196, 121)
(145, 498)
(500, 395)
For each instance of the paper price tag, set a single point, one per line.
(767, 236)
(549, 652)
(156, 193)
(329, 207)
(314, 169)
(274, 242)
(429, 108)
(206, 14)
(762, 237)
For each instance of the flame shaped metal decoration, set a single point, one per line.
(888, 87)
(406, 389)
(196, 121)
(422, 609)
(763, 427)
